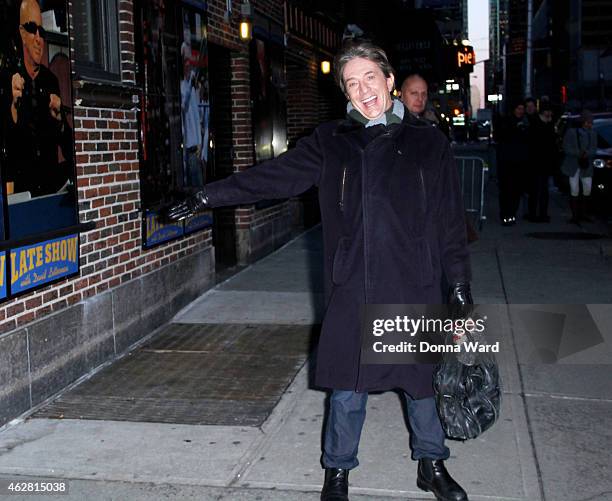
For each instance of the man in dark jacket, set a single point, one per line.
(512, 161)
(393, 225)
(544, 157)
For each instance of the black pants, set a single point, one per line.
(510, 188)
(538, 196)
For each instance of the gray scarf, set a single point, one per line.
(394, 115)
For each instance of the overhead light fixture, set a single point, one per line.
(246, 21)
(325, 66)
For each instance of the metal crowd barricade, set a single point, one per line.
(473, 172)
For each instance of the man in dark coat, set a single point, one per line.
(393, 224)
(544, 157)
(512, 161)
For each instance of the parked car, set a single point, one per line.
(602, 163)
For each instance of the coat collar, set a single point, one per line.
(348, 125)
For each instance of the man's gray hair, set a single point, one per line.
(360, 48)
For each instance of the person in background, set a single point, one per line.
(414, 95)
(579, 147)
(512, 160)
(531, 109)
(543, 156)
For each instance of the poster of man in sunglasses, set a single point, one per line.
(36, 118)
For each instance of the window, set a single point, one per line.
(96, 39)
(39, 234)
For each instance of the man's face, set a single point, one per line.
(519, 111)
(414, 95)
(587, 124)
(367, 87)
(530, 108)
(546, 116)
(33, 43)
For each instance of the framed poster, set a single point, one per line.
(269, 97)
(175, 111)
(37, 170)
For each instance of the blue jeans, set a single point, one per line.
(347, 410)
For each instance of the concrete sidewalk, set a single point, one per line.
(551, 443)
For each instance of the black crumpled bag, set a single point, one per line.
(468, 393)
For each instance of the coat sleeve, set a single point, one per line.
(592, 143)
(452, 236)
(570, 143)
(290, 174)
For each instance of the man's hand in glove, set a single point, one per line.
(190, 206)
(460, 300)
(460, 304)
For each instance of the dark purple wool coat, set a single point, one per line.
(393, 224)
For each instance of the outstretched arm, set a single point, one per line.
(288, 175)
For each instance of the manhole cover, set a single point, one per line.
(565, 235)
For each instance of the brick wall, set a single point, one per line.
(257, 232)
(107, 168)
(52, 336)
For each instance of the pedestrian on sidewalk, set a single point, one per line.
(512, 161)
(393, 225)
(579, 147)
(544, 158)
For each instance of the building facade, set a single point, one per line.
(572, 59)
(131, 66)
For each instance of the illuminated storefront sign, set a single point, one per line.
(466, 57)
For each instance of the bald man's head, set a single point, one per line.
(31, 31)
(414, 94)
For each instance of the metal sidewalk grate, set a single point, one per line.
(194, 374)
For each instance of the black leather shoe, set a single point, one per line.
(433, 477)
(335, 487)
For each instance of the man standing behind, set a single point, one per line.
(544, 158)
(414, 94)
(36, 125)
(512, 159)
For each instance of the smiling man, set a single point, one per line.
(393, 225)
(367, 87)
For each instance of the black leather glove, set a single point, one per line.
(190, 206)
(460, 300)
